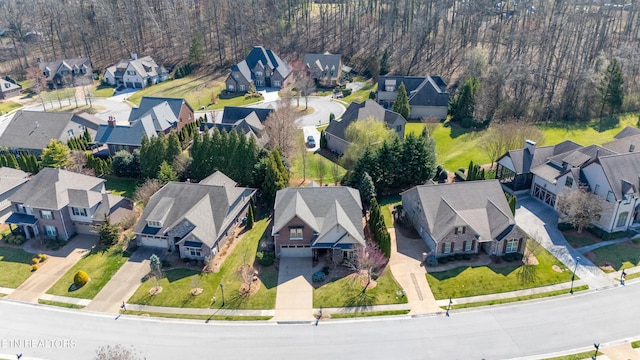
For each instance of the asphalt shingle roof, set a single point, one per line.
(422, 91)
(126, 135)
(321, 62)
(148, 102)
(361, 111)
(620, 169)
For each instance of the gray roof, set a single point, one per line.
(56, 188)
(209, 208)
(481, 205)
(148, 102)
(161, 116)
(11, 178)
(231, 114)
(523, 161)
(627, 131)
(218, 178)
(361, 111)
(126, 134)
(323, 62)
(558, 165)
(422, 91)
(321, 208)
(264, 56)
(35, 129)
(629, 143)
(145, 67)
(54, 66)
(622, 170)
(8, 86)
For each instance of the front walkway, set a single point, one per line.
(406, 266)
(294, 298)
(541, 222)
(57, 264)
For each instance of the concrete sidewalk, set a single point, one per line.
(603, 243)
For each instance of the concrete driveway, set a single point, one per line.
(311, 131)
(323, 107)
(294, 299)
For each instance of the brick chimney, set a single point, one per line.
(111, 122)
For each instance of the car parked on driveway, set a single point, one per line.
(311, 141)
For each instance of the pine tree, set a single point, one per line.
(249, 225)
(463, 105)
(166, 173)
(173, 148)
(108, 233)
(401, 105)
(384, 63)
(367, 190)
(611, 90)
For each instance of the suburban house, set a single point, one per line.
(245, 120)
(262, 67)
(10, 181)
(135, 73)
(61, 73)
(152, 117)
(325, 69)
(466, 217)
(59, 204)
(335, 132)
(428, 96)
(193, 219)
(318, 221)
(31, 131)
(9, 89)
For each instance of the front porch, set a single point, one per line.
(26, 225)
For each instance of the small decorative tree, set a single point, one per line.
(370, 262)
(249, 225)
(80, 279)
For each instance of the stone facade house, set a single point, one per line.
(262, 67)
(59, 204)
(318, 221)
(325, 69)
(428, 96)
(335, 132)
(135, 73)
(466, 217)
(67, 72)
(193, 219)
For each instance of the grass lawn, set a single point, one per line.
(370, 313)
(101, 90)
(198, 317)
(362, 94)
(313, 172)
(82, 107)
(345, 292)
(15, 266)
(520, 298)
(618, 256)
(177, 283)
(467, 281)
(580, 240)
(54, 95)
(579, 356)
(385, 202)
(121, 186)
(196, 89)
(635, 344)
(7, 106)
(101, 265)
(60, 304)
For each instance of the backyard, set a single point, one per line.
(15, 266)
(121, 186)
(100, 264)
(465, 281)
(319, 169)
(177, 283)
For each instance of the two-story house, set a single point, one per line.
(428, 96)
(318, 221)
(325, 69)
(10, 181)
(245, 120)
(67, 72)
(135, 73)
(59, 204)
(466, 217)
(262, 67)
(193, 219)
(335, 132)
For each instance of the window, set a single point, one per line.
(131, 72)
(512, 246)
(79, 211)
(194, 251)
(20, 208)
(595, 190)
(390, 88)
(258, 73)
(622, 219)
(448, 247)
(154, 224)
(467, 245)
(295, 233)
(241, 87)
(51, 231)
(460, 230)
(568, 182)
(47, 215)
(627, 199)
(399, 128)
(259, 83)
(235, 76)
(276, 83)
(230, 87)
(610, 196)
(70, 132)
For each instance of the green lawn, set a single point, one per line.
(579, 356)
(54, 95)
(312, 171)
(580, 240)
(635, 344)
(121, 186)
(620, 256)
(369, 313)
(60, 304)
(362, 94)
(101, 90)
(520, 298)
(346, 292)
(15, 266)
(178, 282)
(385, 202)
(101, 265)
(7, 106)
(196, 89)
(198, 317)
(465, 281)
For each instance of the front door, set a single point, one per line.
(267, 82)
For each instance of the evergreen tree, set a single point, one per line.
(56, 154)
(401, 105)
(196, 50)
(384, 63)
(249, 225)
(611, 90)
(323, 140)
(166, 173)
(108, 233)
(463, 105)
(367, 189)
(273, 179)
(173, 148)
(11, 161)
(152, 154)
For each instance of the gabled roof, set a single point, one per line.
(321, 208)
(147, 103)
(323, 62)
(627, 131)
(35, 129)
(558, 165)
(131, 134)
(267, 58)
(54, 66)
(422, 91)
(56, 188)
(231, 114)
(361, 111)
(480, 205)
(11, 178)
(523, 161)
(629, 143)
(8, 86)
(161, 116)
(144, 66)
(208, 208)
(622, 172)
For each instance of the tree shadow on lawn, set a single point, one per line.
(177, 274)
(362, 300)
(502, 269)
(457, 130)
(607, 123)
(18, 256)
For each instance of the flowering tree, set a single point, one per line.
(370, 261)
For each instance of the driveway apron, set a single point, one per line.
(294, 299)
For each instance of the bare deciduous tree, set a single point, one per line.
(508, 135)
(281, 128)
(579, 207)
(370, 262)
(145, 190)
(77, 161)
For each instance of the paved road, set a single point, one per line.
(323, 107)
(500, 332)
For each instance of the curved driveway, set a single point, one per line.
(323, 107)
(500, 332)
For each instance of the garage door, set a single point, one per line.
(295, 251)
(138, 85)
(544, 195)
(153, 242)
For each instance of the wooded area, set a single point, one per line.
(538, 59)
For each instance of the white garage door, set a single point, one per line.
(153, 242)
(295, 251)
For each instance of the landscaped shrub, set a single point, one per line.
(458, 256)
(318, 276)
(605, 235)
(42, 257)
(466, 256)
(35, 260)
(432, 260)
(80, 279)
(265, 258)
(517, 256)
(460, 176)
(443, 260)
(165, 264)
(508, 257)
(34, 267)
(346, 92)
(451, 257)
(564, 226)
(19, 240)
(326, 270)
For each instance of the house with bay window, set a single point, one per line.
(463, 218)
(318, 221)
(194, 220)
(58, 204)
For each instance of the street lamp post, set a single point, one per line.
(449, 307)
(573, 277)
(595, 354)
(222, 290)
